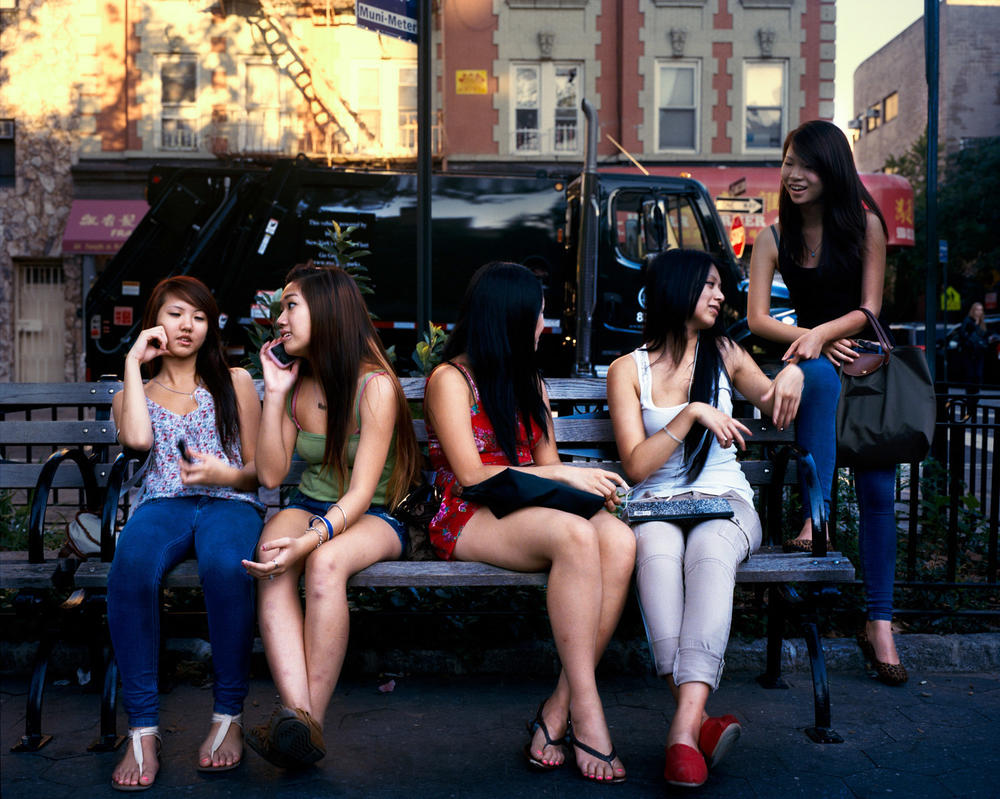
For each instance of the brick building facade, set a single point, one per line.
(93, 93)
(890, 89)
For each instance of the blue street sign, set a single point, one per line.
(397, 18)
(942, 251)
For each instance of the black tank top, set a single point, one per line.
(820, 294)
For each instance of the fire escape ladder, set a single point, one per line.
(325, 103)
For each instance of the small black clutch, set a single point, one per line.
(512, 490)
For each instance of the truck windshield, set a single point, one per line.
(646, 222)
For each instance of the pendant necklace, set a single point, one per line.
(189, 394)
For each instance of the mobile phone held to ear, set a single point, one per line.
(182, 448)
(280, 357)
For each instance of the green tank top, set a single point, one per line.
(322, 484)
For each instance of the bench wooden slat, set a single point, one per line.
(72, 434)
(25, 475)
(766, 566)
(56, 394)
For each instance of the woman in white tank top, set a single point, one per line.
(671, 406)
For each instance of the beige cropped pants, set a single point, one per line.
(685, 581)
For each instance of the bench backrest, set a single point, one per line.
(33, 419)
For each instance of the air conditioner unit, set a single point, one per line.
(6, 128)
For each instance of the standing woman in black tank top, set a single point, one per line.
(830, 250)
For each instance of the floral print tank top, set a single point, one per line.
(163, 474)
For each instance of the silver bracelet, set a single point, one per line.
(319, 533)
(675, 438)
(342, 513)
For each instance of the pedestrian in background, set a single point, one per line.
(973, 343)
(830, 250)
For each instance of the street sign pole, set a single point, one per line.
(424, 154)
(931, 288)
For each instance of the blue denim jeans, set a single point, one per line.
(816, 431)
(160, 534)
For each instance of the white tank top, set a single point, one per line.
(721, 473)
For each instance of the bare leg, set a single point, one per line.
(327, 622)
(538, 538)
(617, 551)
(279, 615)
(691, 698)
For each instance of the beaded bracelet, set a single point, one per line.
(319, 534)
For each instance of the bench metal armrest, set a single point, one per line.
(814, 493)
(112, 497)
(40, 496)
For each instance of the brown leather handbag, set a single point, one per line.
(887, 410)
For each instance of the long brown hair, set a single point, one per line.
(342, 343)
(210, 363)
(823, 148)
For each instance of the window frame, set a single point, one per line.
(392, 137)
(673, 63)
(184, 111)
(8, 153)
(745, 105)
(546, 134)
(894, 96)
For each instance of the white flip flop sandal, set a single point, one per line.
(135, 735)
(225, 721)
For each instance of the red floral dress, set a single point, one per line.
(455, 512)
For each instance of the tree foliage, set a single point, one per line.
(968, 219)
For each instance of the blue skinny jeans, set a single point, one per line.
(160, 534)
(816, 431)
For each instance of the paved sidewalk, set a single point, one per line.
(462, 736)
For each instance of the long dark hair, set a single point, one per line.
(823, 148)
(210, 363)
(496, 332)
(675, 280)
(342, 342)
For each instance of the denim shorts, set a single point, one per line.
(319, 507)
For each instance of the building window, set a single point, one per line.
(385, 101)
(677, 107)
(765, 104)
(8, 174)
(873, 117)
(890, 107)
(179, 102)
(406, 106)
(546, 115)
(268, 123)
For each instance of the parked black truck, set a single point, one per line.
(241, 229)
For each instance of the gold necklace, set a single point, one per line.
(189, 394)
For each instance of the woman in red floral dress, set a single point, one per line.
(487, 410)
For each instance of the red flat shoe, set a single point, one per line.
(718, 734)
(685, 767)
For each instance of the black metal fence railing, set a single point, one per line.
(948, 512)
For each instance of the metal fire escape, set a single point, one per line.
(341, 128)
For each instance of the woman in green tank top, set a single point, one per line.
(339, 406)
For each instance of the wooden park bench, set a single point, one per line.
(795, 584)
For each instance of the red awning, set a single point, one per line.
(101, 226)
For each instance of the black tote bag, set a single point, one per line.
(887, 409)
(511, 490)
